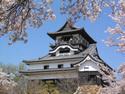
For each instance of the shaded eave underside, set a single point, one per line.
(48, 70)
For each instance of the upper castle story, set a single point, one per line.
(69, 40)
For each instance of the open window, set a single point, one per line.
(71, 66)
(86, 67)
(60, 66)
(46, 66)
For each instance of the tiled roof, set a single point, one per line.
(91, 50)
(69, 29)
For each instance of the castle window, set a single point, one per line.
(66, 38)
(60, 66)
(71, 65)
(52, 54)
(64, 50)
(46, 67)
(86, 67)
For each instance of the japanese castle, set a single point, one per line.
(73, 55)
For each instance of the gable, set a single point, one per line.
(88, 64)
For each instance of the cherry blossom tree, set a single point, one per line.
(117, 38)
(17, 15)
(117, 33)
(6, 84)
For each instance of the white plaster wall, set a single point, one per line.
(88, 66)
(36, 66)
(51, 65)
(67, 65)
(41, 66)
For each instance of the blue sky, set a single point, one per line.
(39, 41)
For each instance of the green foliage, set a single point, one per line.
(42, 87)
(21, 66)
(7, 68)
(16, 78)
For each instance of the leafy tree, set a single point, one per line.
(7, 68)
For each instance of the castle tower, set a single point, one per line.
(73, 55)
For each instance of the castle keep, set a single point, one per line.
(73, 55)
